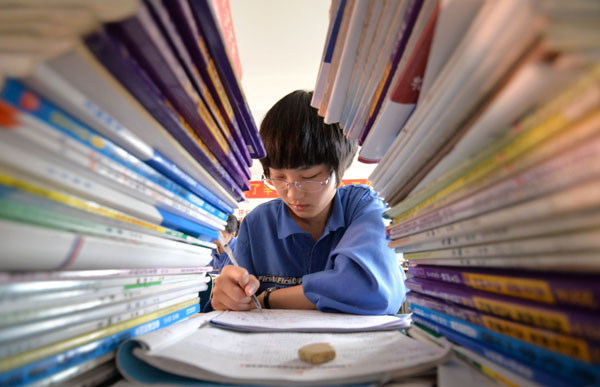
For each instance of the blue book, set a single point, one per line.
(125, 68)
(553, 362)
(506, 361)
(56, 118)
(43, 368)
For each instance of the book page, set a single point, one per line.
(272, 358)
(269, 320)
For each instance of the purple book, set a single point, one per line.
(567, 289)
(145, 42)
(405, 30)
(586, 350)
(560, 319)
(123, 67)
(183, 20)
(210, 31)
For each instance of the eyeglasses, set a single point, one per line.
(301, 185)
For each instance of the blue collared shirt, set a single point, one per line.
(219, 261)
(349, 269)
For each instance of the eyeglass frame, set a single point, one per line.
(323, 183)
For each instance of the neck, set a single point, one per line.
(314, 225)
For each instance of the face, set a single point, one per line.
(307, 205)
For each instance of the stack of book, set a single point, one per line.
(484, 117)
(125, 142)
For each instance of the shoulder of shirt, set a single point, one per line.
(357, 191)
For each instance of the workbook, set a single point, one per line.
(196, 350)
(282, 320)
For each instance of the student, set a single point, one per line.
(320, 246)
(219, 257)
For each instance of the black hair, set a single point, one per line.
(295, 136)
(233, 224)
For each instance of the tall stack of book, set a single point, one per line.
(484, 117)
(125, 142)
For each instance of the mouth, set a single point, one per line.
(299, 207)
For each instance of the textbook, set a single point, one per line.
(195, 350)
(566, 320)
(581, 290)
(550, 361)
(306, 321)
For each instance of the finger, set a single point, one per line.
(223, 302)
(252, 285)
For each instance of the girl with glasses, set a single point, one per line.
(320, 246)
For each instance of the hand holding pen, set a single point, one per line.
(234, 288)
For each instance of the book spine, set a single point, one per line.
(25, 213)
(29, 371)
(114, 56)
(565, 243)
(20, 277)
(563, 320)
(550, 361)
(576, 206)
(577, 348)
(505, 360)
(93, 208)
(579, 291)
(55, 88)
(407, 26)
(84, 252)
(525, 186)
(210, 31)
(198, 68)
(143, 39)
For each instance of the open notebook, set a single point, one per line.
(196, 350)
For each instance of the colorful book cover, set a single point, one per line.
(184, 22)
(145, 42)
(20, 371)
(579, 290)
(565, 320)
(209, 29)
(117, 60)
(562, 366)
(578, 348)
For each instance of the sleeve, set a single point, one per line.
(363, 275)
(242, 250)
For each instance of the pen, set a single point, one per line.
(227, 250)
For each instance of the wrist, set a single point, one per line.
(266, 299)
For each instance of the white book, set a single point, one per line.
(529, 87)
(360, 110)
(382, 41)
(197, 350)
(336, 11)
(60, 250)
(395, 111)
(473, 70)
(373, 26)
(347, 62)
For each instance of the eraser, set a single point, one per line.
(317, 353)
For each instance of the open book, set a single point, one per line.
(196, 350)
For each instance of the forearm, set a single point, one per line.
(288, 298)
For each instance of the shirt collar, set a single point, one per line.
(287, 225)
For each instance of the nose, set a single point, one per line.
(294, 193)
